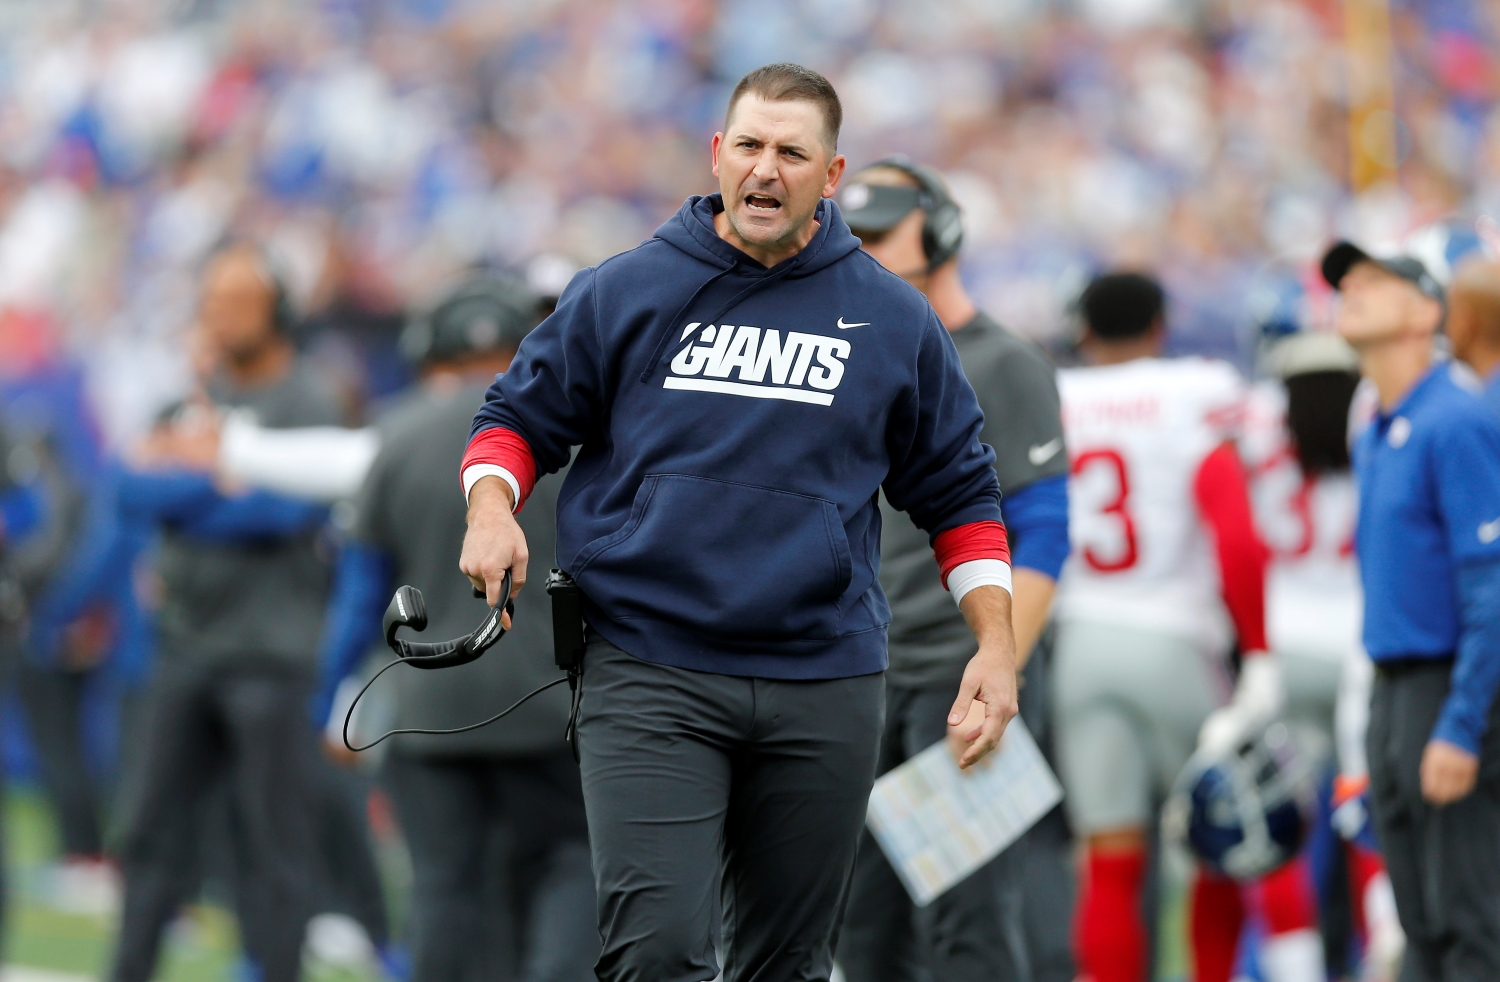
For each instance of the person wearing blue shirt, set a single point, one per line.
(1474, 323)
(1428, 542)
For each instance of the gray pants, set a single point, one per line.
(972, 933)
(1444, 863)
(244, 725)
(450, 809)
(694, 781)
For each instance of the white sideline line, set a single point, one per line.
(22, 973)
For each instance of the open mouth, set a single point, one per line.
(762, 204)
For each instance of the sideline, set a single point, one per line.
(22, 973)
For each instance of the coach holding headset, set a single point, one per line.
(742, 385)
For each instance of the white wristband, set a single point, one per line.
(474, 472)
(978, 572)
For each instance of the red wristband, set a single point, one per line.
(505, 448)
(965, 543)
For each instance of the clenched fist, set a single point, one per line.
(494, 542)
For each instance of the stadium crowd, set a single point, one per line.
(382, 152)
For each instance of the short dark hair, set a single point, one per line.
(1121, 306)
(786, 82)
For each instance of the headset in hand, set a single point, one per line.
(407, 609)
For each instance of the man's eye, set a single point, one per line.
(793, 153)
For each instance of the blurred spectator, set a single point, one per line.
(243, 587)
(382, 148)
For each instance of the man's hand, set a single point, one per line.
(1448, 772)
(1258, 698)
(989, 679)
(494, 542)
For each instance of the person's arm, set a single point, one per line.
(318, 463)
(1222, 493)
(101, 560)
(1466, 465)
(989, 678)
(162, 496)
(255, 515)
(362, 584)
(548, 402)
(944, 477)
(1037, 518)
(190, 502)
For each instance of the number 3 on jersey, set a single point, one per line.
(1103, 473)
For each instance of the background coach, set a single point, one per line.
(742, 386)
(977, 930)
(1428, 542)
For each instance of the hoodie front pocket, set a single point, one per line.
(744, 562)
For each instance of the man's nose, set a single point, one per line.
(767, 166)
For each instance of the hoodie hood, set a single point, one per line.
(692, 231)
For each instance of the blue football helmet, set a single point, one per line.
(1276, 303)
(1244, 814)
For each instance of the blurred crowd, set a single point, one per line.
(383, 146)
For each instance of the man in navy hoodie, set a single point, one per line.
(741, 387)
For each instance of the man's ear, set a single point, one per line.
(835, 174)
(713, 149)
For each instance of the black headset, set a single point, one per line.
(482, 314)
(943, 227)
(407, 609)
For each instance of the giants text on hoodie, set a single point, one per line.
(736, 425)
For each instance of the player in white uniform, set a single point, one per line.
(1167, 570)
(1296, 446)
(1305, 509)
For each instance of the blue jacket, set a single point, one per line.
(735, 423)
(1429, 542)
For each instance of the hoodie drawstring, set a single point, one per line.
(759, 284)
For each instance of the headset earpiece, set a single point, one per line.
(942, 227)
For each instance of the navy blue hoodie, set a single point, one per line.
(736, 423)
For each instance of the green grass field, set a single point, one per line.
(201, 947)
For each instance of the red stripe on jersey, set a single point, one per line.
(503, 448)
(976, 540)
(1223, 497)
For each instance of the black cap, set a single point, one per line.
(877, 207)
(484, 314)
(1342, 255)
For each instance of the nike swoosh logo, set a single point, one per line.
(1043, 452)
(845, 327)
(1489, 531)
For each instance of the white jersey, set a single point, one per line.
(1138, 434)
(1313, 601)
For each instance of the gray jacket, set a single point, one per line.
(1017, 388)
(412, 508)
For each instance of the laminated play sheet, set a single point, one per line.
(938, 824)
